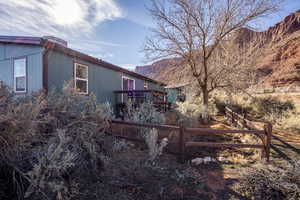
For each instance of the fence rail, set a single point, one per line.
(264, 135)
(241, 121)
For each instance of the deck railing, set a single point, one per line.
(157, 97)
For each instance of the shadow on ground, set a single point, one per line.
(214, 180)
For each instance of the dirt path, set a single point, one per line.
(285, 145)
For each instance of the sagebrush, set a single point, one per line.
(271, 182)
(146, 113)
(50, 140)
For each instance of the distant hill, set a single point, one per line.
(279, 68)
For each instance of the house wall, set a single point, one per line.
(102, 81)
(33, 54)
(154, 86)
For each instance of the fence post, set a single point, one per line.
(232, 119)
(244, 120)
(268, 131)
(181, 144)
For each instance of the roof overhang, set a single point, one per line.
(50, 45)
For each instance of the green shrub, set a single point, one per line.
(271, 182)
(290, 120)
(238, 108)
(220, 105)
(272, 106)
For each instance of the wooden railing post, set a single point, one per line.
(268, 132)
(181, 144)
(244, 120)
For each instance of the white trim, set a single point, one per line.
(81, 79)
(20, 76)
(126, 77)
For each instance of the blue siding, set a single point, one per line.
(33, 54)
(2, 51)
(102, 81)
(35, 72)
(6, 72)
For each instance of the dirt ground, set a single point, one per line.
(217, 178)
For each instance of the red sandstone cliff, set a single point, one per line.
(279, 68)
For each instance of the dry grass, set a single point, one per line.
(191, 110)
(290, 120)
(283, 110)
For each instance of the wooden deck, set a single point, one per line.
(137, 97)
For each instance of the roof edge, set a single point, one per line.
(71, 52)
(48, 44)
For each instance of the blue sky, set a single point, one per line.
(113, 30)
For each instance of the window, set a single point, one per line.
(128, 84)
(20, 78)
(81, 78)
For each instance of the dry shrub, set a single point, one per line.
(268, 106)
(239, 103)
(271, 182)
(52, 141)
(155, 147)
(237, 107)
(290, 120)
(191, 110)
(146, 113)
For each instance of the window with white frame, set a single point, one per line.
(128, 83)
(20, 77)
(81, 78)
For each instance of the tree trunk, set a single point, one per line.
(205, 114)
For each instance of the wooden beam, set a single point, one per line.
(220, 131)
(140, 91)
(165, 127)
(181, 144)
(221, 145)
(268, 130)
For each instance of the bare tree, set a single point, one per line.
(195, 30)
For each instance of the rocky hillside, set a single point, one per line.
(279, 68)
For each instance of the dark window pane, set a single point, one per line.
(125, 84)
(131, 83)
(20, 84)
(81, 72)
(81, 86)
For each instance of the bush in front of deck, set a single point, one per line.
(146, 113)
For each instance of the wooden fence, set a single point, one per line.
(241, 121)
(264, 135)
